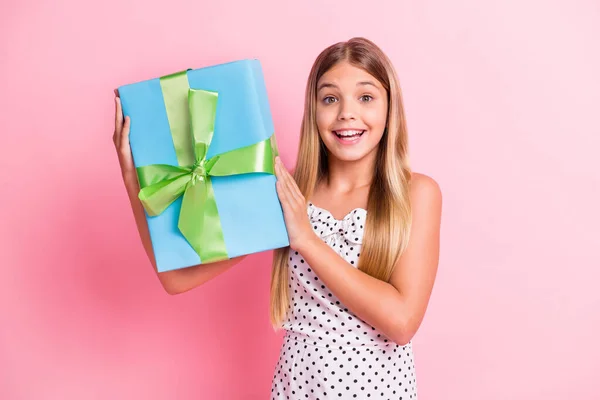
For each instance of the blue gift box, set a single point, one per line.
(248, 206)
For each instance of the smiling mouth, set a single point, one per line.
(348, 134)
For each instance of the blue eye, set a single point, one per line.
(367, 96)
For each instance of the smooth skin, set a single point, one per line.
(397, 307)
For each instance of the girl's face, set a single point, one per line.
(351, 111)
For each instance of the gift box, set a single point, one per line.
(203, 144)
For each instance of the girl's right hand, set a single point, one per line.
(121, 141)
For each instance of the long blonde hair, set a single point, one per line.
(388, 205)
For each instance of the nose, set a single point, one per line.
(346, 111)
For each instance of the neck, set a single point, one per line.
(346, 176)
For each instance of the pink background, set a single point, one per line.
(502, 103)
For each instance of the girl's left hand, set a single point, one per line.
(294, 207)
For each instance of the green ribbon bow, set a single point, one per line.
(191, 114)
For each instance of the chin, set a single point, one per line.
(346, 156)
(350, 155)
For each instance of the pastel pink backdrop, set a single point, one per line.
(501, 100)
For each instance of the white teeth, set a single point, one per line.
(348, 133)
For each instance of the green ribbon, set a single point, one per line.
(191, 114)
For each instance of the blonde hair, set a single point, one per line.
(388, 206)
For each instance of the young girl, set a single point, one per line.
(352, 288)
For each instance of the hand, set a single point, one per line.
(121, 141)
(294, 207)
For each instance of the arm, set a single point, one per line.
(180, 280)
(397, 307)
(176, 281)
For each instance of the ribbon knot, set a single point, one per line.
(199, 172)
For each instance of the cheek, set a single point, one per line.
(324, 118)
(376, 117)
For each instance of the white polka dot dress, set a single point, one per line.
(327, 351)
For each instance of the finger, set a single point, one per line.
(290, 185)
(126, 157)
(116, 131)
(283, 199)
(124, 144)
(118, 116)
(282, 175)
(294, 186)
(278, 171)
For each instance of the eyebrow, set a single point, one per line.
(331, 85)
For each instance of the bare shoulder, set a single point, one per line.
(424, 188)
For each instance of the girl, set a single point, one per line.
(352, 288)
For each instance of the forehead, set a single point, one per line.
(345, 74)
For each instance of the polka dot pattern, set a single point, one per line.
(328, 352)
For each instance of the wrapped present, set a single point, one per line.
(203, 145)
